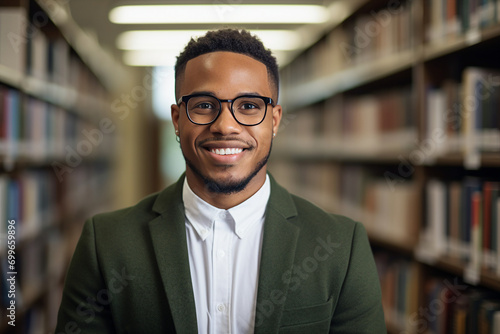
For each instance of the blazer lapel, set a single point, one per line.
(278, 253)
(169, 242)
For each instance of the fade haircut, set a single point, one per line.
(232, 40)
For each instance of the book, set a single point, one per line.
(453, 214)
(12, 38)
(480, 93)
(38, 63)
(473, 271)
(490, 225)
(436, 215)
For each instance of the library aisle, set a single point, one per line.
(391, 117)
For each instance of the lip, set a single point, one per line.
(227, 159)
(224, 144)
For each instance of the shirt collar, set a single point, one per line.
(202, 215)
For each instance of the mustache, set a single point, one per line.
(229, 138)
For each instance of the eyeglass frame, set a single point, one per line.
(186, 98)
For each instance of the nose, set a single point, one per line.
(226, 124)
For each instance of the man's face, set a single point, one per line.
(225, 75)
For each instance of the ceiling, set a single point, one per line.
(92, 17)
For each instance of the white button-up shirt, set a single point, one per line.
(224, 255)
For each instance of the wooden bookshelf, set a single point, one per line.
(320, 89)
(487, 159)
(457, 267)
(44, 111)
(322, 151)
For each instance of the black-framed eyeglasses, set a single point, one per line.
(203, 109)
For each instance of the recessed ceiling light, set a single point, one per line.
(200, 14)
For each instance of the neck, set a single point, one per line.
(222, 200)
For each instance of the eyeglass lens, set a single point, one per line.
(246, 110)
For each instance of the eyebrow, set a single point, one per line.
(214, 95)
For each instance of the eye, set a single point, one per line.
(248, 105)
(204, 105)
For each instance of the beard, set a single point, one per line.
(230, 186)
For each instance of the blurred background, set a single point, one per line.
(391, 117)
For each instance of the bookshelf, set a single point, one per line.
(56, 152)
(393, 118)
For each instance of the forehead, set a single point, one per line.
(225, 72)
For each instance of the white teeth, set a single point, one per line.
(226, 151)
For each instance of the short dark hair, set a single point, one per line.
(232, 40)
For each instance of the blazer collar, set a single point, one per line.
(168, 234)
(281, 232)
(278, 252)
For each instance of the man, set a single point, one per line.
(225, 249)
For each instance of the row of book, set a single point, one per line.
(368, 37)
(451, 306)
(37, 199)
(377, 34)
(363, 124)
(464, 116)
(39, 131)
(462, 222)
(387, 209)
(39, 265)
(31, 200)
(36, 58)
(448, 305)
(448, 19)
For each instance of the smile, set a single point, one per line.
(226, 151)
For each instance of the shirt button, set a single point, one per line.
(221, 253)
(221, 307)
(203, 232)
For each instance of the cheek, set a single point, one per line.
(262, 137)
(188, 135)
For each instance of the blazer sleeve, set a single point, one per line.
(85, 301)
(359, 309)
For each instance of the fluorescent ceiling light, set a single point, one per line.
(199, 14)
(168, 58)
(177, 39)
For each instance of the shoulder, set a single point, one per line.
(138, 212)
(148, 208)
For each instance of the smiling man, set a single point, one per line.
(225, 249)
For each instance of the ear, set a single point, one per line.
(277, 113)
(175, 111)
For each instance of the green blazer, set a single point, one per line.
(130, 272)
